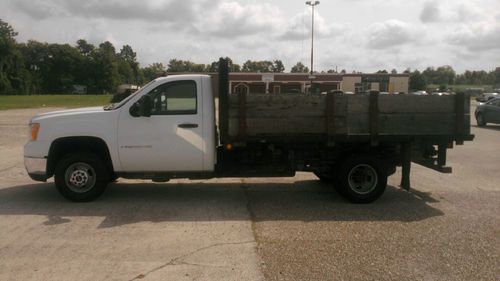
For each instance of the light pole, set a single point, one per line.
(312, 4)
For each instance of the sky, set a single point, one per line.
(356, 35)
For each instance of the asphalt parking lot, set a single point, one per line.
(446, 228)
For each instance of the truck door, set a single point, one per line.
(172, 138)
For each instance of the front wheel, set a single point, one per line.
(81, 176)
(481, 122)
(362, 179)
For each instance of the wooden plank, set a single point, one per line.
(418, 104)
(405, 104)
(388, 124)
(258, 126)
(405, 124)
(285, 105)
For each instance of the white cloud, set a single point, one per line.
(164, 11)
(477, 37)
(431, 12)
(457, 11)
(388, 34)
(299, 27)
(232, 19)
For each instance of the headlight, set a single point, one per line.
(34, 128)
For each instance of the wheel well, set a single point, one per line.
(63, 146)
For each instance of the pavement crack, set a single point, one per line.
(6, 169)
(250, 211)
(180, 259)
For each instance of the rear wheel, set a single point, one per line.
(81, 176)
(361, 179)
(481, 122)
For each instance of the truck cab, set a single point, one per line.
(166, 127)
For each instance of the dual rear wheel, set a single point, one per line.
(360, 179)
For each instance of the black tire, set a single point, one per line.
(324, 177)
(481, 122)
(81, 176)
(361, 179)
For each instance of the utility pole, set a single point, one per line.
(312, 4)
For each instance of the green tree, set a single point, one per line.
(154, 71)
(257, 66)
(175, 65)
(417, 81)
(106, 73)
(278, 66)
(84, 48)
(443, 75)
(8, 57)
(61, 68)
(128, 55)
(299, 68)
(214, 66)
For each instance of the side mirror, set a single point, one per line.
(141, 107)
(134, 110)
(145, 104)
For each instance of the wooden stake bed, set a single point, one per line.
(344, 116)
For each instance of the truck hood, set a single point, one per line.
(69, 112)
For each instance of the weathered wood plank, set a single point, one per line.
(406, 104)
(286, 105)
(406, 124)
(286, 126)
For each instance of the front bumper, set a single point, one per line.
(36, 168)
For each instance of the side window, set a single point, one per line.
(174, 98)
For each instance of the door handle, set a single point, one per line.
(187, 126)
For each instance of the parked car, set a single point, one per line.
(486, 97)
(419, 93)
(488, 112)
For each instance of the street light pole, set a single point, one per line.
(312, 4)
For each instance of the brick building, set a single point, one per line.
(275, 83)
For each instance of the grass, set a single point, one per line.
(461, 88)
(68, 101)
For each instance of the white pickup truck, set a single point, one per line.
(168, 129)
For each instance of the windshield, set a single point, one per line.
(117, 105)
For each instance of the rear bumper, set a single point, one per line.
(36, 168)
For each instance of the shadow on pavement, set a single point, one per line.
(125, 203)
(492, 127)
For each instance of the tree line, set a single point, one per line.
(42, 68)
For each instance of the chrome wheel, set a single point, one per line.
(362, 179)
(80, 177)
